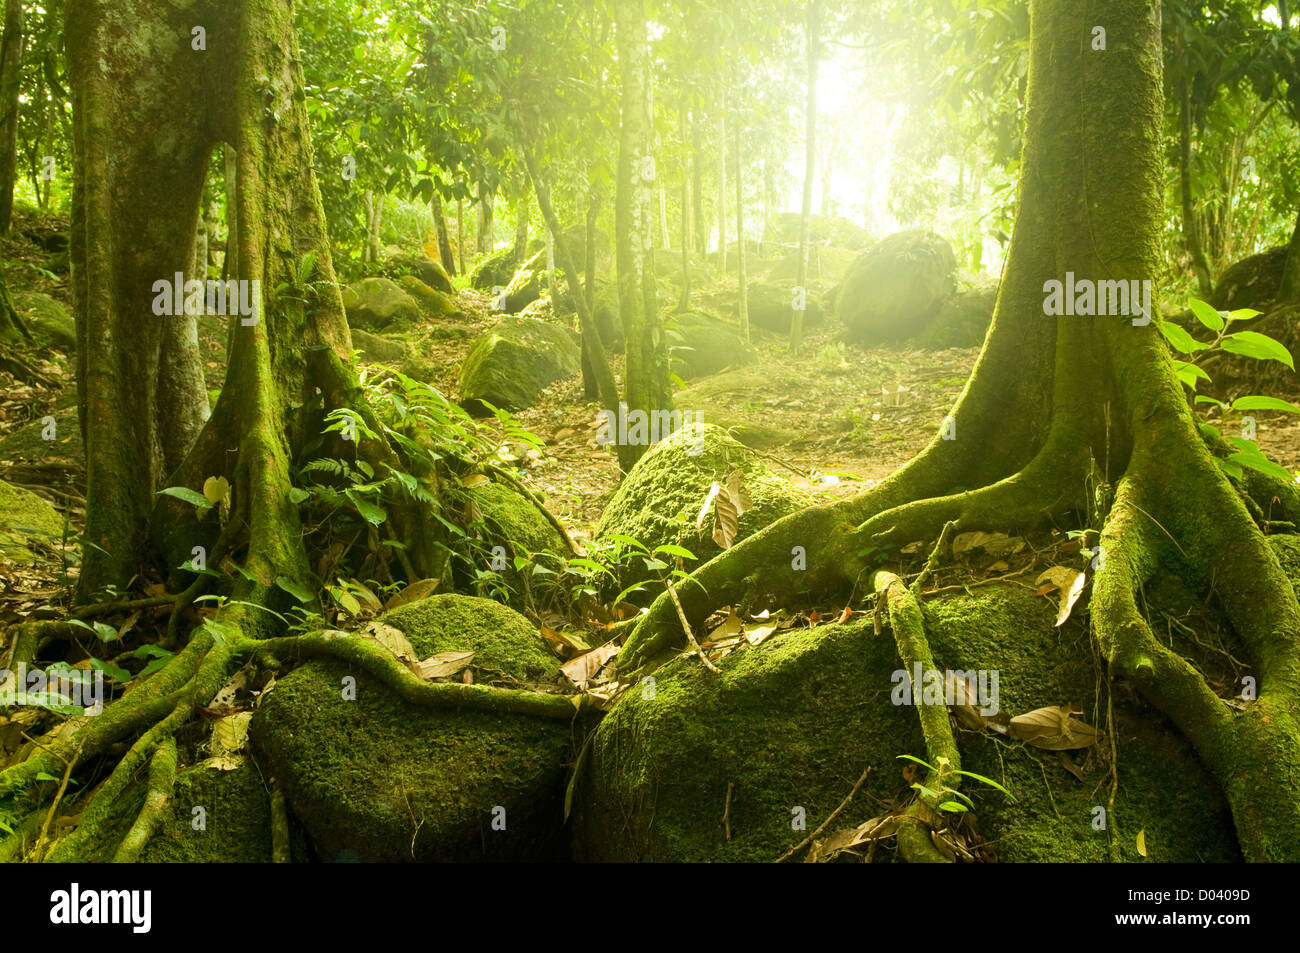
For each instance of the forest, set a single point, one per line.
(649, 431)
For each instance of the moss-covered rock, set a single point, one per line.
(659, 499)
(376, 304)
(511, 364)
(784, 229)
(433, 303)
(513, 522)
(376, 348)
(525, 286)
(25, 520)
(789, 725)
(962, 321)
(235, 821)
(28, 444)
(892, 290)
(384, 781)
(701, 344)
(606, 315)
(770, 307)
(427, 270)
(496, 269)
(48, 321)
(826, 265)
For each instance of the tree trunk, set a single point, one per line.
(440, 231)
(684, 299)
(813, 29)
(722, 180)
(697, 181)
(595, 199)
(485, 240)
(11, 57)
(1289, 290)
(646, 378)
(742, 281)
(520, 250)
(1191, 224)
(1060, 404)
(460, 235)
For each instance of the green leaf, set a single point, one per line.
(371, 513)
(1265, 403)
(295, 589)
(672, 550)
(1259, 346)
(112, 671)
(989, 781)
(1189, 374)
(1243, 314)
(953, 806)
(1207, 315)
(1261, 464)
(188, 495)
(1231, 469)
(1202, 399)
(1179, 339)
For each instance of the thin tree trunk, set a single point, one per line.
(722, 180)
(460, 235)
(520, 250)
(684, 300)
(595, 200)
(700, 220)
(485, 240)
(645, 345)
(742, 283)
(11, 55)
(1289, 290)
(813, 31)
(440, 231)
(1191, 224)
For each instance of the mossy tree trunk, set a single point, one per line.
(1079, 418)
(440, 233)
(646, 381)
(11, 57)
(812, 30)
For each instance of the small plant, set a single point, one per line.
(944, 794)
(1250, 344)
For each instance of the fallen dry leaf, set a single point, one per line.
(585, 667)
(1053, 729)
(415, 591)
(1069, 583)
(442, 665)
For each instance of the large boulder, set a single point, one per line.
(780, 735)
(236, 816)
(659, 500)
(511, 364)
(376, 779)
(891, 291)
(784, 229)
(771, 307)
(525, 286)
(423, 267)
(25, 520)
(376, 348)
(701, 344)
(433, 304)
(376, 304)
(605, 311)
(514, 522)
(494, 271)
(1251, 282)
(48, 321)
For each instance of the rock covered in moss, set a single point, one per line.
(525, 286)
(659, 500)
(892, 290)
(376, 348)
(701, 344)
(511, 364)
(771, 307)
(25, 519)
(379, 780)
(234, 826)
(515, 523)
(48, 321)
(376, 304)
(789, 726)
(433, 303)
(426, 270)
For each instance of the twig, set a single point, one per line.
(681, 614)
(58, 799)
(726, 812)
(824, 824)
(935, 555)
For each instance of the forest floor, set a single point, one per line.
(833, 419)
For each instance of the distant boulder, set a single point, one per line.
(771, 307)
(1251, 282)
(962, 320)
(892, 290)
(423, 267)
(783, 229)
(376, 304)
(525, 286)
(701, 344)
(435, 304)
(511, 364)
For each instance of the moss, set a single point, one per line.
(511, 364)
(374, 304)
(379, 781)
(658, 501)
(792, 723)
(237, 817)
(702, 344)
(893, 289)
(24, 517)
(434, 303)
(46, 319)
(515, 523)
